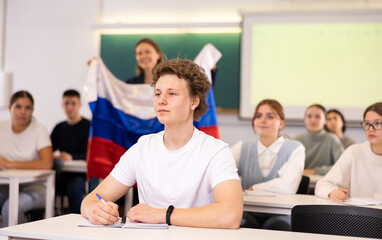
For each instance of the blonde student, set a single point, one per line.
(357, 173)
(24, 144)
(269, 162)
(184, 176)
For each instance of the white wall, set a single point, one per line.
(47, 45)
(168, 11)
(49, 41)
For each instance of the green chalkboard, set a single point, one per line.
(117, 52)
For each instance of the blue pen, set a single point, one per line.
(100, 198)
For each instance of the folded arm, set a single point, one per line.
(45, 161)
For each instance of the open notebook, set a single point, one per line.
(122, 223)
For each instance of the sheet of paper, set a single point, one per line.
(129, 224)
(86, 223)
(363, 201)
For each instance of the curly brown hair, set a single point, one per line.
(197, 80)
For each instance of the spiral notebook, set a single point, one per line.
(123, 222)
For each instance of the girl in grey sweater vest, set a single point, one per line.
(269, 162)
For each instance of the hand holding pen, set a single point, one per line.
(339, 195)
(104, 213)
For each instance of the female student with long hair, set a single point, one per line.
(336, 124)
(269, 162)
(322, 149)
(357, 173)
(184, 176)
(24, 144)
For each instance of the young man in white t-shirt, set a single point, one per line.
(184, 176)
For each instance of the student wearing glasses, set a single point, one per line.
(357, 173)
(184, 176)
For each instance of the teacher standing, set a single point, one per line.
(148, 54)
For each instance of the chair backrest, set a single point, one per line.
(303, 188)
(337, 220)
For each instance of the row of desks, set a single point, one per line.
(65, 228)
(280, 204)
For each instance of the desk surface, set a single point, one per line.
(23, 174)
(283, 204)
(65, 228)
(74, 166)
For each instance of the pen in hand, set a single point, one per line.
(123, 219)
(100, 198)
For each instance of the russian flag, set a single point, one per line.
(123, 112)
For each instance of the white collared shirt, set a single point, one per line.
(289, 174)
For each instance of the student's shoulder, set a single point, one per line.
(293, 142)
(332, 137)
(5, 126)
(136, 79)
(358, 148)
(149, 138)
(59, 126)
(85, 121)
(300, 137)
(38, 127)
(209, 141)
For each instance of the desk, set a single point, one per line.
(15, 177)
(74, 166)
(65, 228)
(283, 204)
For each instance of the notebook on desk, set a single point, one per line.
(122, 223)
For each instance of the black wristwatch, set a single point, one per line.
(168, 214)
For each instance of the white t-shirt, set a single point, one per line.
(23, 146)
(184, 178)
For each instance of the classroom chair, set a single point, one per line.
(337, 220)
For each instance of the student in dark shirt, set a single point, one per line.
(69, 140)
